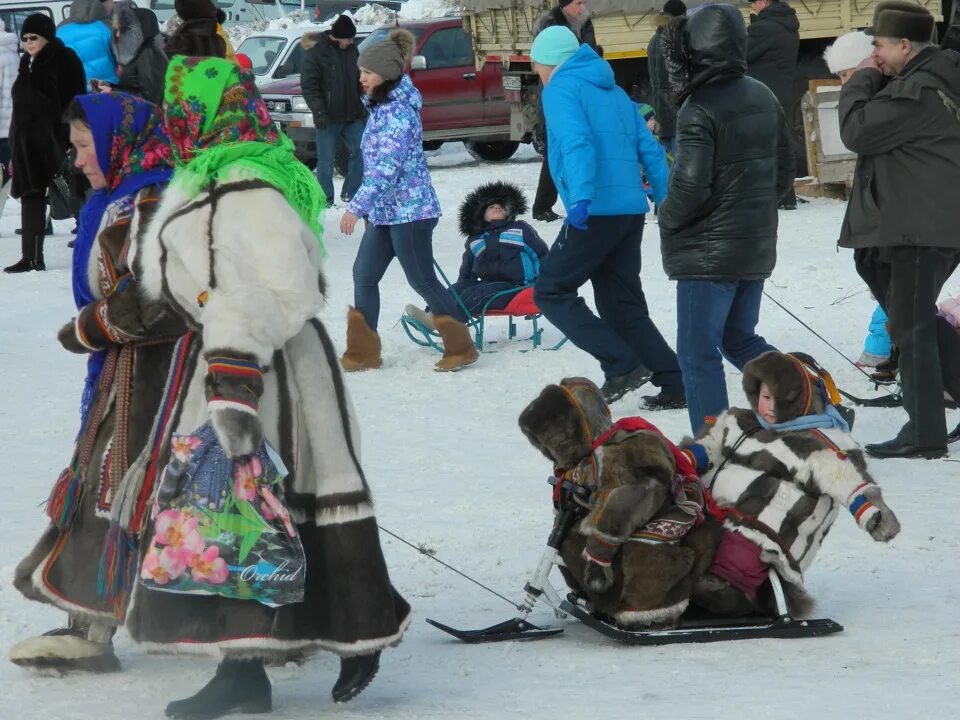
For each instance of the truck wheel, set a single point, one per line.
(492, 151)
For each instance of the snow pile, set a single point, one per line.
(374, 14)
(419, 9)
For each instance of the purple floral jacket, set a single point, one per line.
(396, 182)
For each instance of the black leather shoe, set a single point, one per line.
(356, 673)
(22, 266)
(898, 449)
(239, 686)
(616, 387)
(546, 216)
(787, 205)
(663, 400)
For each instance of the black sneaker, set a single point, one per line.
(787, 205)
(663, 400)
(546, 216)
(616, 387)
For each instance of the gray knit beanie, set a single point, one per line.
(389, 57)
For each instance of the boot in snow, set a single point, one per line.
(363, 344)
(459, 349)
(356, 673)
(421, 316)
(65, 650)
(239, 686)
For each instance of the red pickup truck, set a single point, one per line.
(460, 103)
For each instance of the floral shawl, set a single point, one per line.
(133, 153)
(219, 125)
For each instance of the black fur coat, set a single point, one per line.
(39, 137)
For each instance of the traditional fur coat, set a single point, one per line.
(243, 270)
(643, 539)
(62, 569)
(782, 489)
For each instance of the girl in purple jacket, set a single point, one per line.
(400, 207)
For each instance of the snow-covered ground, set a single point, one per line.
(451, 471)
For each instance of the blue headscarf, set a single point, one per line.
(133, 152)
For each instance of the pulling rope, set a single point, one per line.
(827, 343)
(423, 551)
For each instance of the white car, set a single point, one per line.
(278, 54)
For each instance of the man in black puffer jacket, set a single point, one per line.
(330, 81)
(718, 225)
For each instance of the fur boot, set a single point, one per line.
(363, 344)
(68, 650)
(459, 349)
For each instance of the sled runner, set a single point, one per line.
(520, 306)
(691, 629)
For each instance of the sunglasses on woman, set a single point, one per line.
(30, 38)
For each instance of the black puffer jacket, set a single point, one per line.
(773, 40)
(39, 137)
(662, 99)
(138, 47)
(330, 80)
(733, 162)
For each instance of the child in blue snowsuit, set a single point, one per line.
(501, 253)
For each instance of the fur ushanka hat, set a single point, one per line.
(474, 205)
(795, 389)
(900, 19)
(565, 419)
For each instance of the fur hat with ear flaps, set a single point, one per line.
(796, 392)
(899, 19)
(565, 419)
(475, 204)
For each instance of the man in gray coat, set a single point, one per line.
(900, 112)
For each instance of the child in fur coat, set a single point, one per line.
(501, 253)
(780, 472)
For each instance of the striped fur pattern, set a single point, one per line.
(243, 270)
(784, 489)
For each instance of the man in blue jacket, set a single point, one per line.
(599, 147)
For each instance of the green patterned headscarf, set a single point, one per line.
(218, 124)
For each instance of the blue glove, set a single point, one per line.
(578, 213)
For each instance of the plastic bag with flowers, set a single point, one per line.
(221, 528)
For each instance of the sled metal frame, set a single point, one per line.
(425, 337)
(540, 589)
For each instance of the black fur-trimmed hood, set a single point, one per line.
(475, 204)
(709, 44)
(133, 28)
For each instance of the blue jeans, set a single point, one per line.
(327, 140)
(624, 337)
(715, 320)
(412, 244)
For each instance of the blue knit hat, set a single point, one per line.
(554, 46)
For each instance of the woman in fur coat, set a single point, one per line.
(235, 248)
(780, 472)
(129, 341)
(138, 47)
(400, 209)
(50, 76)
(643, 538)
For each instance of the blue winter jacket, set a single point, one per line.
(506, 251)
(598, 144)
(91, 41)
